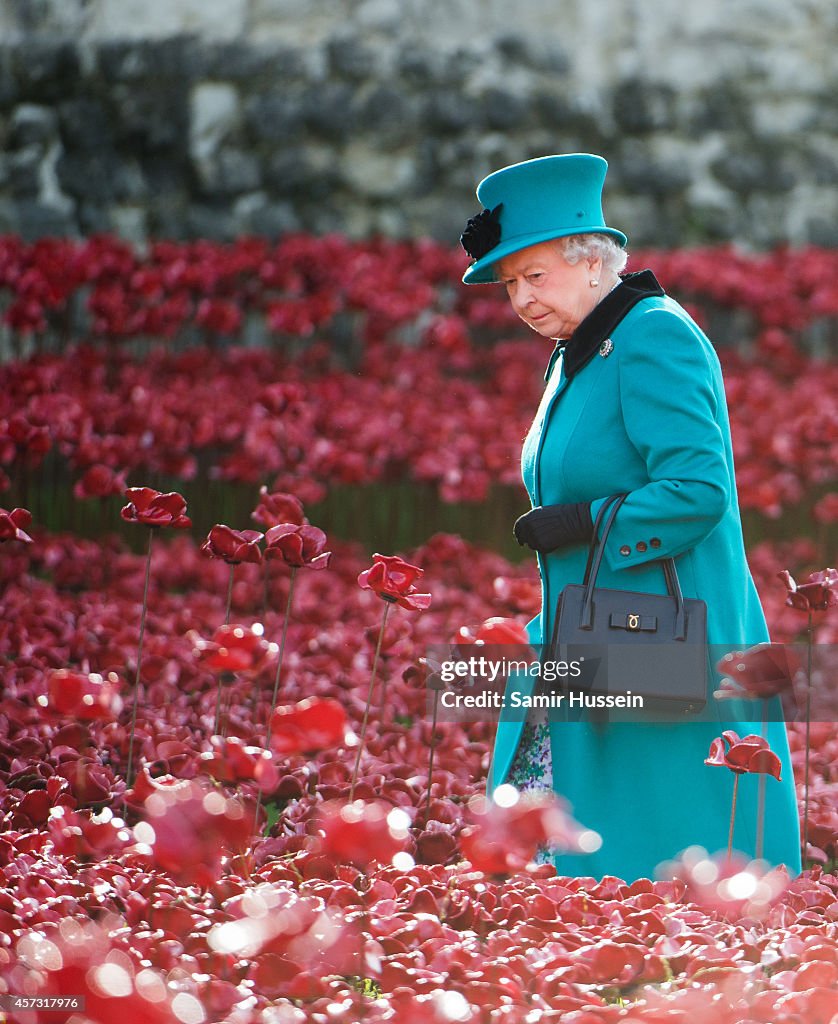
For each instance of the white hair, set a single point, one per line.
(593, 245)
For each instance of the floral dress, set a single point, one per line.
(532, 767)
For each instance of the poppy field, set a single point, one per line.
(224, 793)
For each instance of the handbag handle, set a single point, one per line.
(610, 507)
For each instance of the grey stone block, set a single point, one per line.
(327, 110)
(45, 70)
(447, 113)
(33, 220)
(242, 61)
(722, 106)
(85, 123)
(258, 214)
(167, 214)
(390, 114)
(32, 125)
(9, 88)
(287, 172)
(101, 174)
(179, 57)
(275, 116)
(501, 111)
(209, 220)
(747, 169)
(644, 175)
(540, 54)
(152, 118)
(94, 218)
(350, 58)
(641, 106)
(228, 172)
(22, 172)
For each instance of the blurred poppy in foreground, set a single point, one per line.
(362, 832)
(503, 835)
(733, 887)
(81, 695)
(13, 524)
(495, 630)
(314, 724)
(763, 671)
(235, 648)
(193, 831)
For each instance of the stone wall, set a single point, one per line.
(188, 118)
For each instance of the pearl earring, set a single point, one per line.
(594, 284)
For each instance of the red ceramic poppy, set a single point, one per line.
(500, 838)
(234, 546)
(313, 724)
(361, 832)
(235, 648)
(731, 886)
(99, 481)
(819, 592)
(749, 754)
(764, 670)
(150, 507)
(277, 507)
(495, 630)
(194, 830)
(81, 695)
(297, 546)
(392, 578)
(12, 525)
(231, 760)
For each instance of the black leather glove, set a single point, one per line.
(548, 527)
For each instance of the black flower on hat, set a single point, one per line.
(482, 233)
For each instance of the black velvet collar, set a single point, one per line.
(585, 341)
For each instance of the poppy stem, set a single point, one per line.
(732, 816)
(265, 586)
(129, 778)
(229, 596)
(278, 670)
(369, 702)
(281, 652)
(217, 707)
(808, 739)
(763, 778)
(431, 757)
(215, 724)
(228, 707)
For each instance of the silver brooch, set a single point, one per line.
(606, 348)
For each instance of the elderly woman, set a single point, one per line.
(634, 404)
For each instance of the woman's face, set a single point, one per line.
(546, 291)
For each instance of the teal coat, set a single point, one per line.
(649, 417)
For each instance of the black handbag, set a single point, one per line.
(651, 645)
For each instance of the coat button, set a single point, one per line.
(641, 546)
(625, 550)
(655, 542)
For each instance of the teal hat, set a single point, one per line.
(532, 202)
